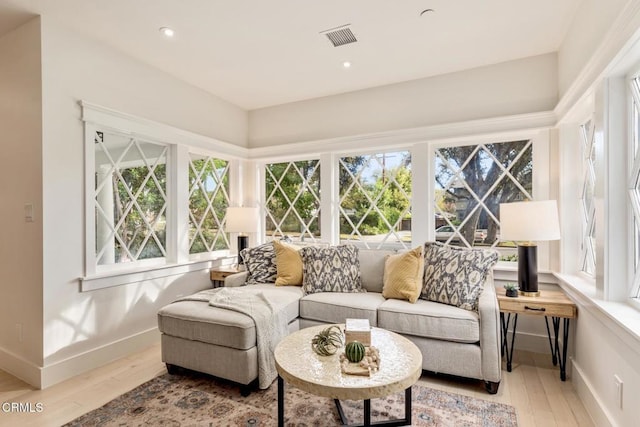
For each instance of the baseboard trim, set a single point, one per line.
(534, 343)
(97, 357)
(20, 368)
(592, 403)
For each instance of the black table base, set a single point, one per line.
(554, 344)
(406, 421)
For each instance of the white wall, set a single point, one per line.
(591, 23)
(77, 325)
(603, 349)
(522, 86)
(20, 183)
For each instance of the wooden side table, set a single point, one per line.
(554, 304)
(218, 274)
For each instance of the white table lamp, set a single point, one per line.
(241, 220)
(527, 223)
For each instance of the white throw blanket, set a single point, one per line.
(271, 323)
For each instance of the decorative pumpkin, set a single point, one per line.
(354, 351)
(328, 341)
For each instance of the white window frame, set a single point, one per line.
(540, 142)
(230, 164)
(181, 143)
(370, 152)
(262, 165)
(587, 217)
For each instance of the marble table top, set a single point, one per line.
(301, 367)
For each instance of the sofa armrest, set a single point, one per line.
(489, 312)
(235, 280)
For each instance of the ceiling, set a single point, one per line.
(259, 53)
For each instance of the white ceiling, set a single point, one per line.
(258, 53)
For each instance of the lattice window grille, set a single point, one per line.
(309, 185)
(356, 183)
(588, 220)
(208, 202)
(129, 226)
(457, 180)
(634, 184)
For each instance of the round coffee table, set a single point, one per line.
(301, 367)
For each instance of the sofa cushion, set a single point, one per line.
(261, 263)
(198, 321)
(372, 268)
(403, 275)
(336, 308)
(333, 269)
(454, 275)
(429, 319)
(288, 264)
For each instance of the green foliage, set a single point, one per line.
(388, 189)
(208, 203)
(511, 286)
(293, 197)
(136, 186)
(480, 169)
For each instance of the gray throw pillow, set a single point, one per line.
(260, 262)
(332, 269)
(455, 276)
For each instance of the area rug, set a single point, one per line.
(193, 399)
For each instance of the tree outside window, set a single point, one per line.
(208, 202)
(292, 200)
(471, 182)
(375, 200)
(130, 199)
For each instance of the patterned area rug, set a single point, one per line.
(193, 399)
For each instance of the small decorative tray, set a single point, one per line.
(367, 366)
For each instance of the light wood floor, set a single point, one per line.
(533, 388)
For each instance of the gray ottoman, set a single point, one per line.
(216, 341)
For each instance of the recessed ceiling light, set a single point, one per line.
(346, 64)
(167, 32)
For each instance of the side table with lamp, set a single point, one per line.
(527, 223)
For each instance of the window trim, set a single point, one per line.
(180, 143)
(540, 143)
(370, 152)
(262, 173)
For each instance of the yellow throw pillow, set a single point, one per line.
(288, 264)
(403, 274)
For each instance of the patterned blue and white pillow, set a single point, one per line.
(455, 276)
(332, 269)
(260, 262)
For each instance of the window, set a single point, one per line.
(292, 200)
(471, 182)
(634, 185)
(130, 199)
(208, 202)
(375, 200)
(587, 205)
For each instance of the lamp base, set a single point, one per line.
(529, 294)
(243, 242)
(528, 270)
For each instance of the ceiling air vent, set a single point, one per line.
(340, 36)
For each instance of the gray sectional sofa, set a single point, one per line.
(223, 343)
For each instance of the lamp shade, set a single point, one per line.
(241, 219)
(533, 221)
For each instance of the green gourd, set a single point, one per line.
(354, 351)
